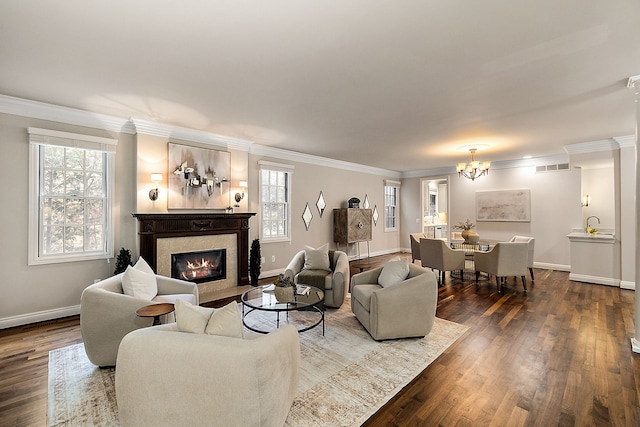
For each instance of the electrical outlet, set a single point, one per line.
(417, 220)
(273, 258)
(262, 260)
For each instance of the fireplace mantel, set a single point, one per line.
(152, 226)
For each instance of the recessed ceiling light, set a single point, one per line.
(526, 157)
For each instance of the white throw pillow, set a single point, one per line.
(142, 265)
(317, 259)
(192, 318)
(139, 284)
(393, 273)
(226, 321)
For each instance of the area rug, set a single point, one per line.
(345, 375)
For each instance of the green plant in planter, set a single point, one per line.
(255, 258)
(122, 261)
(285, 289)
(283, 281)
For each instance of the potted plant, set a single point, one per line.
(284, 288)
(255, 261)
(122, 261)
(468, 234)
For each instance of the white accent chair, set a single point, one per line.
(503, 260)
(532, 242)
(336, 281)
(107, 314)
(406, 309)
(436, 253)
(170, 378)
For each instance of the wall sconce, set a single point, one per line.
(586, 201)
(239, 196)
(153, 193)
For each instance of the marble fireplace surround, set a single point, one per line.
(162, 234)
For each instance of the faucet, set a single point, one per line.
(592, 216)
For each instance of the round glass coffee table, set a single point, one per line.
(304, 311)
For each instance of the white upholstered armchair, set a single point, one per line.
(107, 314)
(402, 310)
(170, 378)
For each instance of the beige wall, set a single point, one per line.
(32, 293)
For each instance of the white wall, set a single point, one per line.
(32, 293)
(599, 184)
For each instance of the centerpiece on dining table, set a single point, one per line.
(469, 236)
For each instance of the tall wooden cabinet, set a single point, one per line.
(351, 225)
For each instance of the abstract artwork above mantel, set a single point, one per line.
(198, 178)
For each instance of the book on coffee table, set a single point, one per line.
(302, 290)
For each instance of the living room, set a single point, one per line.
(600, 157)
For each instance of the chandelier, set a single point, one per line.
(473, 169)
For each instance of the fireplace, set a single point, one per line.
(200, 266)
(164, 234)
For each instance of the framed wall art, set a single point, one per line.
(505, 205)
(198, 178)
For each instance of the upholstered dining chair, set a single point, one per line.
(531, 241)
(415, 245)
(436, 253)
(503, 260)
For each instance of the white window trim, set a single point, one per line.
(38, 137)
(264, 164)
(396, 184)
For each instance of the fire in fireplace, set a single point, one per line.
(200, 266)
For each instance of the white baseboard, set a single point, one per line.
(595, 279)
(40, 316)
(549, 266)
(624, 284)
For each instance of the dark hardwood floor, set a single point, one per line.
(559, 355)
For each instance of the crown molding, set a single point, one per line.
(592, 146)
(625, 141)
(293, 156)
(56, 113)
(176, 132)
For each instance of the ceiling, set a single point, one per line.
(399, 85)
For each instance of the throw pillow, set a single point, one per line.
(143, 266)
(192, 318)
(393, 273)
(139, 284)
(226, 321)
(316, 259)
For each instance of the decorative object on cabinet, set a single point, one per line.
(321, 204)
(354, 202)
(375, 215)
(197, 177)
(504, 205)
(307, 216)
(366, 204)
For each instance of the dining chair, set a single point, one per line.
(503, 260)
(436, 254)
(531, 241)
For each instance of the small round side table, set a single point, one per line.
(155, 311)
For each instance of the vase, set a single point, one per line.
(470, 236)
(283, 294)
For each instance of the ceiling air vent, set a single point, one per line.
(553, 168)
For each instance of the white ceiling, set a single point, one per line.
(399, 85)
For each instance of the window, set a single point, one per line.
(391, 205)
(70, 197)
(275, 207)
